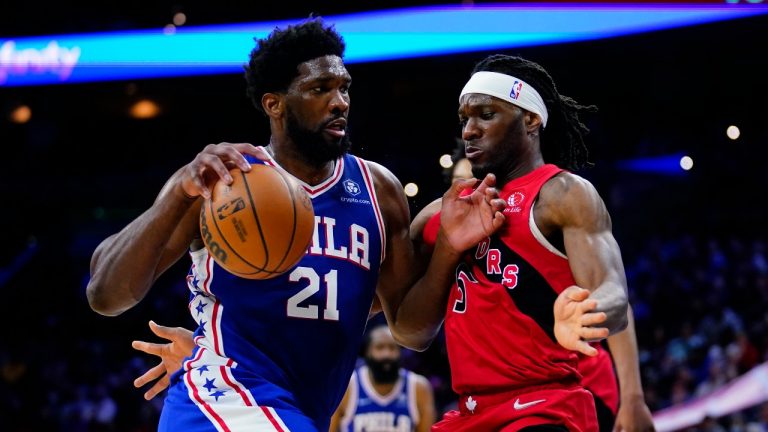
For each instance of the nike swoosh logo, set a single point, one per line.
(519, 406)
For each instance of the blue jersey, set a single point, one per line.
(272, 350)
(368, 411)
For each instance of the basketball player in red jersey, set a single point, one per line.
(620, 405)
(531, 296)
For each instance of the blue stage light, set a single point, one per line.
(373, 36)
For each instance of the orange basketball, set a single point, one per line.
(259, 226)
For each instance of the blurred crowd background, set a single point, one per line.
(694, 242)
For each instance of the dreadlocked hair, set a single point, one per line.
(562, 142)
(274, 62)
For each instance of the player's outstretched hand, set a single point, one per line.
(213, 164)
(467, 220)
(171, 355)
(575, 321)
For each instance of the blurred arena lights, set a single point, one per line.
(686, 163)
(179, 19)
(411, 189)
(145, 109)
(370, 36)
(733, 132)
(674, 164)
(21, 114)
(446, 161)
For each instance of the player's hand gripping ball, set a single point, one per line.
(261, 225)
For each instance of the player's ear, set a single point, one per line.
(532, 122)
(273, 104)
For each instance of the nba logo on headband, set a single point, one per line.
(507, 88)
(515, 92)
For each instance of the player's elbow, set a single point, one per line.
(618, 315)
(100, 300)
(621, 324)
(415, 345)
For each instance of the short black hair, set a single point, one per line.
(274, 62)
(562, 141)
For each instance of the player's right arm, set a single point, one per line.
(126, 264)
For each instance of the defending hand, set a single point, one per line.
(575, 322)
(171, 356)
(467, 220)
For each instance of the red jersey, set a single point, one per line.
(499, 322)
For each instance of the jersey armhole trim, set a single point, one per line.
(413, 406)
(368, 177)
(540, 237)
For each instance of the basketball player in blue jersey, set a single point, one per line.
(277, 354)
(382, 396)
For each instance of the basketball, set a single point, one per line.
(259, 226)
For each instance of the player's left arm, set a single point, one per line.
(633, 415)
(597, 306)
(425, 403)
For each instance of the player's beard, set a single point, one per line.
(384, 371)
(480, 171)
(313, 144)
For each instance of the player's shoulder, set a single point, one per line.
(381, 174)
(421, 386)
(390, 194)
(418, 380)
(568, 197)
(567, 187)
(566, 182)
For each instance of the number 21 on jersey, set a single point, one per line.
(312, 311)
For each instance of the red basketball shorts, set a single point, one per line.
(572, 407)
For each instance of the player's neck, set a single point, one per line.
(291, 160)
(519, 168)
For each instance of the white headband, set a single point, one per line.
(507, 88)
